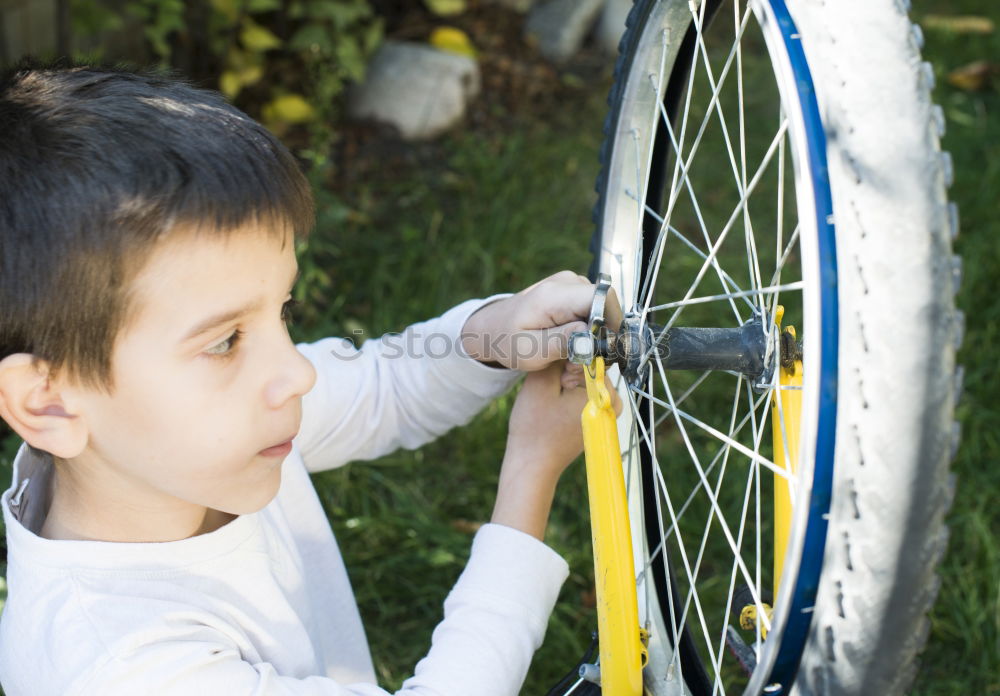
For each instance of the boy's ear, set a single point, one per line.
(35, 407)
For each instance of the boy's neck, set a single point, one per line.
(76, 514)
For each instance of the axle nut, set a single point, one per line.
(582, 348)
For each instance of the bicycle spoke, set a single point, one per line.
(693, 247)
(733, 216)
(727, 532)
(691, 574)
(742, 449)
(697, 209)
(703, 51)
(674, 625)
(695, 127)
(678, 143)
(722, 451)
(779, 223)
(729, 295)
(722, 236)
(704, 539)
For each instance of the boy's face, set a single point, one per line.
(196, 402)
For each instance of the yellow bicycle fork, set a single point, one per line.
(622, 651)
(622, 641)
(786, 410)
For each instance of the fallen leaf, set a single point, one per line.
(229, 83)
(445, 8)
(466, 526)
(959, 24)
(256, 38)
(452, 40)
(288, 108)
(974, 76)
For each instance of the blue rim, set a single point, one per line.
(807, 583)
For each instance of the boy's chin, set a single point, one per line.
(259, 498)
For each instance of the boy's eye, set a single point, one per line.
(225, 348)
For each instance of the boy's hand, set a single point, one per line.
(545, 436)
(531, 329)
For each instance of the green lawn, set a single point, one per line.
(963, 654)
(495, 211)
(511, 207)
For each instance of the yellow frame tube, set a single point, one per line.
(621, 647)
(790, 401)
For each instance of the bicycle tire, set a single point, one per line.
(896, 378)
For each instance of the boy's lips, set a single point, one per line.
(280, 449)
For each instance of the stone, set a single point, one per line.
(611, 25)
(416, 88)
(560, 26)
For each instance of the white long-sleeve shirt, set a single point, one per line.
(263, 606)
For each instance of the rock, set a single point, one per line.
(559, 26)
(416, 88)
(611, 25)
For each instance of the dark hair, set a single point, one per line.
(96, 165)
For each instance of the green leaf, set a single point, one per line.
(341, 13)
(312, 37)
(256, 38)
(91, 18)
(446, 8)
(351, 58)
(228, 8)
(372, 36)
(230, 83)
(452, 40)
(140, 11)
(289, 108)
(264, 5)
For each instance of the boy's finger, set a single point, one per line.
(574, 368)
(534, 350)
(571, 382)
(560, 303)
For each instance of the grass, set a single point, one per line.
(417, 511)
(494, 212)
(963, 653)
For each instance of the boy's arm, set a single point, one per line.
(407, 389)
(495, 616)
(401, 390)
(543, 438)
(495, 619)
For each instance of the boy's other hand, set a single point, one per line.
(545, 421)
(530, 329)
(544, 437)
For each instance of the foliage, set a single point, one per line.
(284, 61)
(495, 214)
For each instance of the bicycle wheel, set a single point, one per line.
(763, 158)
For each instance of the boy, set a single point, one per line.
(163, 533)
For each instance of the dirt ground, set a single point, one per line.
(518, 86)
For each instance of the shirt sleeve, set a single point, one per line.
(494, 620)
(400, 390)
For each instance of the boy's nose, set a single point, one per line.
(294, 376)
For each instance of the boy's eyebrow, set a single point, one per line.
(231, 315)
(220, 319)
